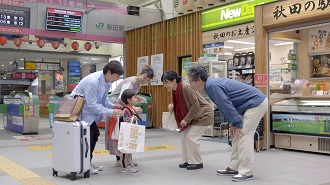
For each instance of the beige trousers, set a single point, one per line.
(242, 156)
(190, 144)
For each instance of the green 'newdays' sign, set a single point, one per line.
(231, 14)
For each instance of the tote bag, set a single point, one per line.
(131, 138)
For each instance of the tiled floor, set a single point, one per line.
(159, 165)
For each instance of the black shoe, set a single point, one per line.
(194, 166)
(183, 165)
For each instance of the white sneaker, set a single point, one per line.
(97, 167)
(92, 170)
(130, 169)
(134, 163)
(118, 164)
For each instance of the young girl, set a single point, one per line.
(130, 99)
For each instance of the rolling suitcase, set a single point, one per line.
(71, 148)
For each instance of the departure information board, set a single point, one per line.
(14, 16)
(63, 20)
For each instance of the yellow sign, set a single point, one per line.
(26, 108)
(160, 147)
(95, 153)
(30, 65)
(26, 114)
(41, 147)
(44, 76)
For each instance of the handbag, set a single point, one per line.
(69, 109)
(131, 138)
(169, 122)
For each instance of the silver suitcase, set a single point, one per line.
(71, 148)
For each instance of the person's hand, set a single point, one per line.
(232, 131)
(117, 112)
(117, 106)
(170, 107)
(183, 123)
(138, 110)
(239, 133)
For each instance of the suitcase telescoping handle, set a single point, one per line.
(87, 147)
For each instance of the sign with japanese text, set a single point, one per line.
(157, 63)
(294, 10)
(42, 66)
(261, 80)
(231, 14)
(319, 39)
(230, 33)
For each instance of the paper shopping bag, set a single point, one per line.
(69, 109)
(131, 138)
(169, 122)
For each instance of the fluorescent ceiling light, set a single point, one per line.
(283, 43)
(21, 68)
(242, 49)
(240, 42)
(22, 58)
(10, 62)
(229, 47)
(2, 65)
(85, 62)
(227, 54)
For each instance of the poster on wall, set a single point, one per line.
(320, 66)
(319, 39)
(142, 61)
(157, 65)
(186, 65)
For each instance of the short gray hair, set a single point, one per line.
(198, 72)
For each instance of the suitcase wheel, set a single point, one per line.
(86, 174)
(73, 176)
(54, 172)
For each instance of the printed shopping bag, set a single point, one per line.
(69, 109)
(131, 138)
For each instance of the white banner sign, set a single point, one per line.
(157, 65)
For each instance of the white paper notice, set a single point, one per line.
(157, 65)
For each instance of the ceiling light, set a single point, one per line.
(229, 47)
(242, 49)
(283, 43)
(240, 42)
(2, 65)
(227, 54)
(85, 62)
(10, 62)
(22, 59)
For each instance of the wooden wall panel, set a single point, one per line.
(175, 37)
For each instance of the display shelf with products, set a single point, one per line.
(283, 75)
(241, 68)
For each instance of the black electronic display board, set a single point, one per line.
(63, 20)
(14, 16)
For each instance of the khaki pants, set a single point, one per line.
(126, 159)
(242, 156)
(190, 144)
